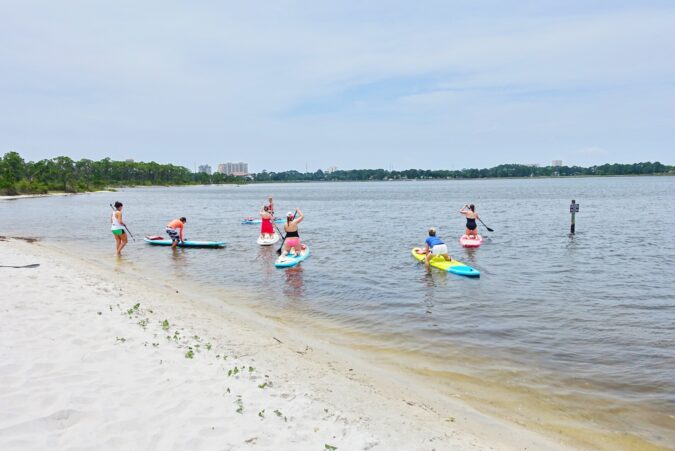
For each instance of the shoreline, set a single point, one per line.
(328, 396)
(54, 194)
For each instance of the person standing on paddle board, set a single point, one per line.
(171, 230)
(266, 229)
(470, 212)
(117, 228)
(292, 240)
(433, 247)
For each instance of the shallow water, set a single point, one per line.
(587, 317)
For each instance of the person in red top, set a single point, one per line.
(171, 230)
(266, 229)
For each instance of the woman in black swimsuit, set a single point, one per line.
(470, 212)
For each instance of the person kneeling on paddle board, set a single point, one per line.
(175, 236)
(470, 212)
(434, 246)
(292, 240)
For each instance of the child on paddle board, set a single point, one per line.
(171, 230)
(117, 228)
(470, 212)
(292, 240)
(434, 246)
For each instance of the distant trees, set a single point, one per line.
(503, 170)
(63, 174)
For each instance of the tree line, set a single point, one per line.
(503, 170)
(63, 174)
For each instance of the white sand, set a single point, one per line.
(81, 368)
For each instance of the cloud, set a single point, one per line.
(352, 82)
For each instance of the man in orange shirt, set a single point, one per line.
(171, 230)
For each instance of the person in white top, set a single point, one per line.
(117, 228)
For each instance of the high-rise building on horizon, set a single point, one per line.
(556, 163)
(237, 169)
(204, 169)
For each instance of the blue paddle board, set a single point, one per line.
(160, 241)
(259, 221)
(292, 259)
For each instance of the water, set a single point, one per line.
(588, 319)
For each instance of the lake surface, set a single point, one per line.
(588, 319)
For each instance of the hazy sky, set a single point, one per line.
(284, 84)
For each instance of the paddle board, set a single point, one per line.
(268, 241)
(452, 266)
(292, 259)
(160, 241)
(466, 241)
(259, 221)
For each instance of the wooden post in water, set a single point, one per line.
(574, 208)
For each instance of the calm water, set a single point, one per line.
(592, 315)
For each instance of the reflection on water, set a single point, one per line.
(294, 286)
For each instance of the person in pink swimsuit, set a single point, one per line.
(292, 235)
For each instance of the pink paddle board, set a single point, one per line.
(467, 241)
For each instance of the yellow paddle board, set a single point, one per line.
(453, 266)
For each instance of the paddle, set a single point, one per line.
(34, 265)
(488, 228)
(125, 226)
(283, 238)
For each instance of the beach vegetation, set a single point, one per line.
(133, 309)
(165, 324)
(208, 346)
(190, 353)
(261, 414)
(240, 404)
(330, 447)
(120, 339)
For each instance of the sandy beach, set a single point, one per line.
(98, 359)
(56, 194)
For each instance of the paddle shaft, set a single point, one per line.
(488, 228)
(124, 225)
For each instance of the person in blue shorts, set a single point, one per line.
(434, 246)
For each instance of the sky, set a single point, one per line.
(303, 84)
